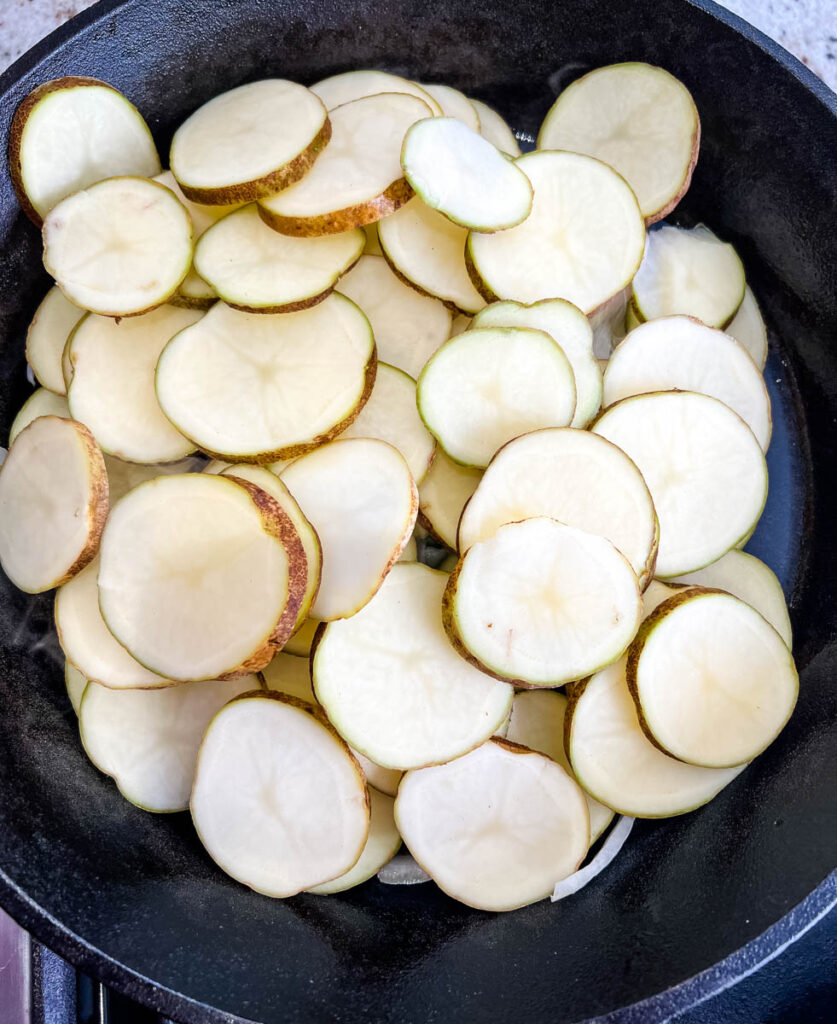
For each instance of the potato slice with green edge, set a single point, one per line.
(747, 327)
(201, 576)
(570, 329)
(463, 176)
(408, 326)
(125, 476)
(688, 271)
(583, 240)
(537, 722)
(278, 801)
(392, 684)
(497, 828)
(492, 384)
(427, 250)
(454, 103)
(354, 85)
(249, 142)
(120, 247)
(41, 402)
(494, 128)
(112, 387)
(637, 118)
(299, 645)
(70, 133)
(679, 353)
(541, 604)
(76, 684)
(254, 387)
(713, 682)
(568, 475)
(703, 466)
(148, 740)
(358, 180)
(254, 268)
(360, 497)
(53, 503)
(51, 325)
(655, 593)
(443, 494)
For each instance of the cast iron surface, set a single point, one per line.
(131, 897)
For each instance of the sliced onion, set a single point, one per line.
(611, 846)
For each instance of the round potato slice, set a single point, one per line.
(497, 828)
(454, 104)
(125, 476)
(53, 503)
(747, 327)
(52, 324)
(494, 128)
(354, 85)
(301, 642)
(76, 684)
(443, 494)
(41, 402)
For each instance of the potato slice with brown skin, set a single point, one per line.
(354, 85)
(51, 326)
(494, 128)
(443, 495)
(40, 403)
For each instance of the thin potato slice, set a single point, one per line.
(443, 494)
(52, 324)
(301, 642)
(76, 684)
(354, 85)
(125, 476)
(40, 403)
(454, 104)
(494, 128)
(747, 327)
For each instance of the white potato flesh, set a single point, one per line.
(394, 687)
(490, 385)
(385, 780)
(463, 176)
(259, 387)
(497, 828)
(541, 604)
(454, 104)
(148, 740)
(120, 247)
(655, 593)
(300, 643)
(359, 496)
(747, 327)
(408, 326)
(703, 466)
(583, 240)
(688, 271)
(568, 475)
(618, 765)
(570, 329)
(112, 387)
(679, 353)
(76, 684)
(125, 476)
(52, 324)
(428, 250)
(443, 494)
(461, 323)
(354, 85)
(41, 402)
(278, 801)
(638, 119)
(402, 870)
(494, 128)
(713, 680)
(372, 247)
(410, 552)
(53, 503)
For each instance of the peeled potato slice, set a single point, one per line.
(70, 133)
(278, 801)
(454, 104)
(714, 683)
(201, 576)
(253, 388)
(148, 740)
(568, 475)
(639, 119)
(75, 683)
(583, 240)
(497, 828)
(354, 85)
(490, 385)
(40, 403)
(358, 179)
(392, 684)
(541, 604)
(361, 499)
(53, 504)
(443, 494)
(703, 467)
(52, 324)
(494, 128)
(747, 327)
(120, 247)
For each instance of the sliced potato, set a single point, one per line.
(461, 323)
(385, 780)
(52, 324)
(494, 128)
(454, 104)
(302, 640)
(410, 552)
(354, 85)
(53, 503)
(402, 870)
(443, 494)
(747, 327)
(76, 684)
(125, 476)
(497, 828)
(655, 593)
(41, 402)
(372, 247)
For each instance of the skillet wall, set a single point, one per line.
(88, 872)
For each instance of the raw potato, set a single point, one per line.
(75, 683)
(249, 142)
(747, 327)
(354, 85)
(273, 782)
(372, 247)
(301, 642)
(583, 240)
(541, 604)
(201, 576)
(568, 475)
(463, 176)
(253, 268)
(497, 828)
(494, 128)
(120, 247)
(637, 118)
(40, 403)
(361, 499)
(410, 552)
(148, 740)
(112, 386)
(703, 467)
(72, 132)
(358, 180)
(237, 385)
(490, 385)
(125, 476)
(454, 104)
(52, 324)
(443, 494)
(736, 683)
(392, 684)
(408, 326)
(461, 323)
(53, 504)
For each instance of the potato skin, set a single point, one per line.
(391, 199)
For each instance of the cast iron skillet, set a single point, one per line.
(131, 897)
